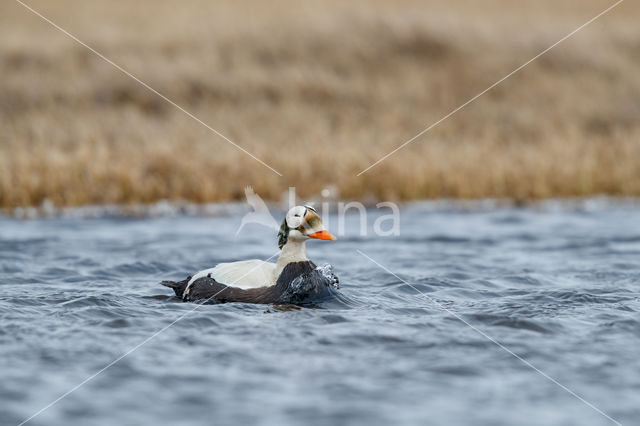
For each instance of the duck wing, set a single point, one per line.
(209, 290)
(245, 274)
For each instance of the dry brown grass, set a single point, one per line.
(318, 90)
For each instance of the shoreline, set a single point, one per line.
(167, 208)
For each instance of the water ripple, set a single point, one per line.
(560, 288)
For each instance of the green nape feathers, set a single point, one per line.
(283, 234)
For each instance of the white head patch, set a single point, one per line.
(295, 216)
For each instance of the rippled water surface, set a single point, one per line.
(558, 286)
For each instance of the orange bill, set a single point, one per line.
(322, 235)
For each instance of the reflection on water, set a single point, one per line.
(559, 286)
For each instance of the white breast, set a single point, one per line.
(245, 274)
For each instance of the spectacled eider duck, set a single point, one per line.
(292, 279)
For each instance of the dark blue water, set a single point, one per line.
(559, 286)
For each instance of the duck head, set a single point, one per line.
(300, 224)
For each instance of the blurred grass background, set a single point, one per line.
(319, 91)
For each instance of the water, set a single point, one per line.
(558, 286)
